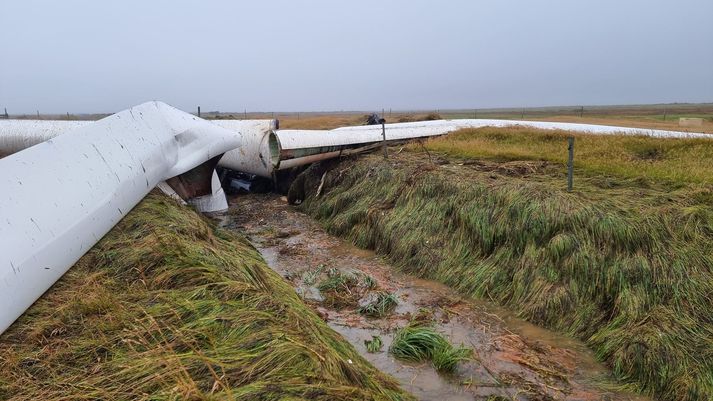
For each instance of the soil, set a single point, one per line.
(512, 359)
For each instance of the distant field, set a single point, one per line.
(650, 116)
(658, 159)
(646, 116)
(663, 116)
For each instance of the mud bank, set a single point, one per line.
(512, 359)
(622, 264)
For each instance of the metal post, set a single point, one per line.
(199, 111)
(383, 135)
(570, 163)
(664, 114)
(6, 115)
(581, 111)
(245, 114)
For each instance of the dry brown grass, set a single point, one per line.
(321, 121)
(331, 121)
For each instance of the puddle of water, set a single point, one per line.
(513, 358)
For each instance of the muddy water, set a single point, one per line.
(512, 358)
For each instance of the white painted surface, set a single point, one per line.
(583, 128)
(253, 156)
(214, 202)
(304, 139)
(61, 196)
(16, 135)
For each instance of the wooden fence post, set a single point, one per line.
(383, 134)
(570, 163)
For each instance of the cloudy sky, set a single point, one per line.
(103, 56)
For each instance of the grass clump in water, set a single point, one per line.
(374, 345)
(367, 281)
(340, 289)
(416, 343)
(169, 307)
(381, 304)
(446, 359)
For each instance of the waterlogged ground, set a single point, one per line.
(512, 358)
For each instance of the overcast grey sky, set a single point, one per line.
(103, 56)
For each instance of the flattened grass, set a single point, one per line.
(169, 307)
(673, 160)
(625, 264)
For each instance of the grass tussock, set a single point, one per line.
(374, 345)
(381, 304)
(673, 160)
(418, 343)
(169, 307)
(341, 289)
(625, 264)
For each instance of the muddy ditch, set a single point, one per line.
(510, 360)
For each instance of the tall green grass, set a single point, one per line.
(168, 307)
(626, 267)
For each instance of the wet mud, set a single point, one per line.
(512, 359)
